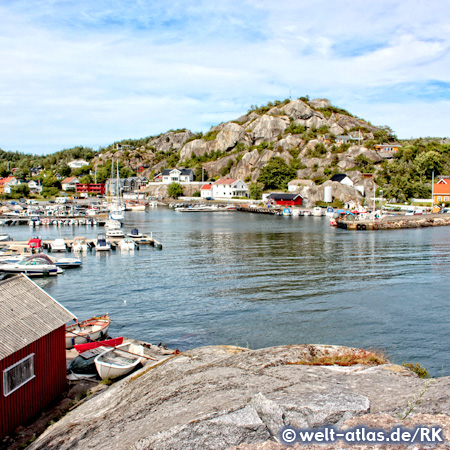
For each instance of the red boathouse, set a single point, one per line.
(286, 199)
(32, 351)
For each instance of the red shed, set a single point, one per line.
(286, 199)
(32, 351)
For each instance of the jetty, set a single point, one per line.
(397, 222)
(114, 242)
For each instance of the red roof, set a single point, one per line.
(442, 187)
(225, 181)
(206, 186)
(68, 180)
(6, 180)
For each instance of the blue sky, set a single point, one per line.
(78, 72)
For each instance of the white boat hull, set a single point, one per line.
(113, 363)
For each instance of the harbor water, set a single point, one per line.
(255, 280)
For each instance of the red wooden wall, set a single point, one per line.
(50, 380)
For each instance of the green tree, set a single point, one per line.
(64, 170)
(427, 163)
(21, 190)
(175, 190)
(86, 179)
(256, 190)
(276, 174)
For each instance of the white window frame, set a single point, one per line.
(25, 380)
(439, 199)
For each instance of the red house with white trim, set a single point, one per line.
(285, 199)
(32, 351)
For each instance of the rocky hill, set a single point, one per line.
(302, 132)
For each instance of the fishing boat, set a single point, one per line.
(101, 244)
(79, 244)
(119, 361)
(80, 348)
(86, 331)
(32, 267)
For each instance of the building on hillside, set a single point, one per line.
(387, 150)
(91, 188)
(77, 163)
(134, 184)
(35, 186)
(441, 191)
(228, 188)
(342, 178)
(7, 183)
(32, 351)
(206, 192)
(282, 199)
(177, 176)
(69, 183)
(296, 185)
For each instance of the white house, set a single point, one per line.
(7, 183)
(69, 183)
(229, 188)
(177, 175)
(342, 178)
(77, 163)
(35, 186)
(206, 191)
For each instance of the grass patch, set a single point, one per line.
(347, 357)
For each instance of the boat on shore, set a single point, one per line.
(80, 348)
(88, 330)
(119, 361)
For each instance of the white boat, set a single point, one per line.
(5, 237)
(135, 234)
(317, 211)
(79, 244)
(287, 212)
(64, 262)
(88, 330)
(58, 245)
(115, 233)
(135, 207)
(119, 361)
(127, 245)
(116, 215)
(112, 224)
(330, 212)
(101, 244)
(32, 267)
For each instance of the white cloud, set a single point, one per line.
(91, 73)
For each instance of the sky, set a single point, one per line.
(83, 72)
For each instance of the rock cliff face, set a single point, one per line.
(297, 130)
(221, 397)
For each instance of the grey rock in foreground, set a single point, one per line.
(221, 397)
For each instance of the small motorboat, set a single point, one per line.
(115, 233)
(65, 263)
(80, 348)
(135, 234)
(101, 244)
(86, 331)
(112, 224)
(58, 245)
(119, 361)
(5, 237)
(32, 266)
(127, 244)
(79, 244)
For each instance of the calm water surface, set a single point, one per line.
(256, 280)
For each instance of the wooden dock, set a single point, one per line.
(114, 242)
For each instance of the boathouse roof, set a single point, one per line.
(27, 313)
(281, 196)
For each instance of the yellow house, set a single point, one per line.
(441, 191)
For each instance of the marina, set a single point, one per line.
(262, 280)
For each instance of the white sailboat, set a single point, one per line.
(117, 205)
